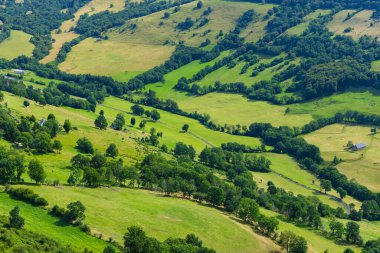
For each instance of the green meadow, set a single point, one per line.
(170, 124)
(109, 211)
(166, 89)
(38, 219)
(236, 109)
(154, 30)
(361, 166)
(364, 100)
(300, 28)
(288, 175)
(16, 45)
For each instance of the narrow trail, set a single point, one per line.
(346, 207)
(191, 133)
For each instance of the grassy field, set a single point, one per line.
(236, 109)
(231, 75)
(151, 31)
(362, 166)
(361, 24)
(16, 45)
(111, 211)
(170, 124)
(316, 242)
(109, 57)
(300, 28)
(166, 90)
(365, 100)
(129, 149)
(39, 221)
(375, 65)
(284, 166)
(65, 35)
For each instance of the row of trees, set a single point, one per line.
(50, 95)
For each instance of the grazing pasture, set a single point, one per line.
(236, 109)
(300, 28)
(287, 174)
(171, 124)
(166, 89)
(65, 34)
(109, 57)
(54, 163)
(38, 220)
(355, 23)
(109, 211)
(364, 100)
(363, 165)
(156, 30)
(16, 45)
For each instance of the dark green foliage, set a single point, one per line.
(75, 212)
(84, 145)
(136, 241)
(15, 220)
(67, 126)
(137, 110)
(27, 195)
(119, 122)
(248, 210)
(42, 143)
(292, 243)
(112, 151)
(21, 240)
(185, 127)
(185, 25)
(182, 149)
(101, 122)
(372, 246)
(371, 210)
(109, 249)
(133, 121)
(36, 171)
(11, 166)
(352, 233)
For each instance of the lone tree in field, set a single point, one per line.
(26, 103)
(135, 239)
(137, 110)
(109, 249)
(352, 232)
(342, 192)
(57, 146)
(75, 212)
(326, 185)
(290, 242)
(185, 128)
(199, 5)
(84, 145)
(155, 115)
(133, 121)
(15, 220)
(119, 122)
(36, 171)
(248, 210)
(67, 126)
(101, 122)
(112, 151)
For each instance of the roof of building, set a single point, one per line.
(360, 145)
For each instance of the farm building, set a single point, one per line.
(19, 71)
(358, 146)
